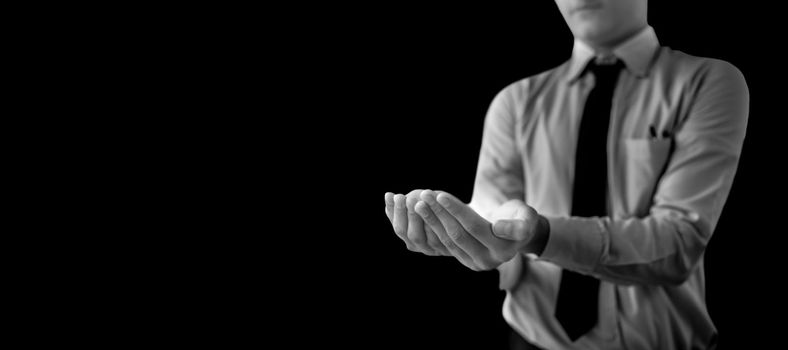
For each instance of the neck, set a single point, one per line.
(607, 46)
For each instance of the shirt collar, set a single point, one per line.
(635, 52)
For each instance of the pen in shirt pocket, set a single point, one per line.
(653, 132)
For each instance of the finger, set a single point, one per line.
(507, 229)
(455, 230)
(434, 242)
(517, 229)
(473, 223)
(437, 227)
(390, 206)
(416, 224)
(514, 230)
(400, 222)
(432, 238)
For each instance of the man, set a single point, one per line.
(598, 187)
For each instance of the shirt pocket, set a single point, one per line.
(643, 162)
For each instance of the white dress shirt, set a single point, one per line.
(676, 130)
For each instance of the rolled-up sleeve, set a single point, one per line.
(665, 246)
(499, 174)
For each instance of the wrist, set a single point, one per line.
(541, 236)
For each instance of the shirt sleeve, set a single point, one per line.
(665, 246)
(499, 173)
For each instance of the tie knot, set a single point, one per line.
(606, 69)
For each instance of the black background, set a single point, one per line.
(356, 101)
(215, 175)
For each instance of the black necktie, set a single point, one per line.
(576, 308)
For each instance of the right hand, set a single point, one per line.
(476, 242)
(409, 226)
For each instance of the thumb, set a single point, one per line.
(514, 230)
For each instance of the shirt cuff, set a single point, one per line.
(574, 243)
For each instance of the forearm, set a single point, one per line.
(659, 249)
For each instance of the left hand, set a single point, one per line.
(474, 241)
(409, 226)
